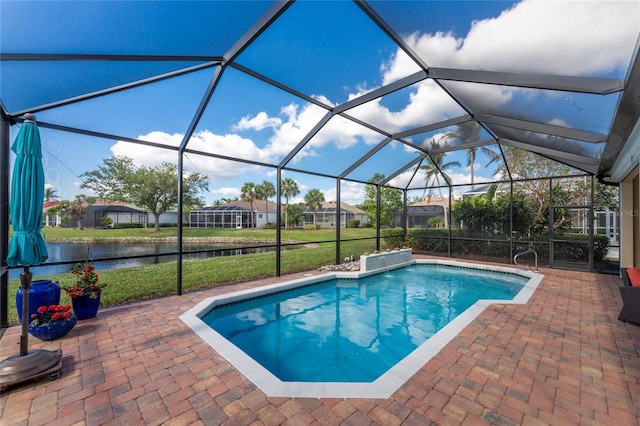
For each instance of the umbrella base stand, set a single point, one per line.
(35, 365)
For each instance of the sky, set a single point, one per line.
(329, 51)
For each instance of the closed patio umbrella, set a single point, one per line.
(27, 248)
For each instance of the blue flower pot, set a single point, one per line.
(41, 293)
(53, 330)
(85, 307)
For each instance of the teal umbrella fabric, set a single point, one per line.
(27, 246)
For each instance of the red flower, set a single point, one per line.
(86, 281)
(47, 314)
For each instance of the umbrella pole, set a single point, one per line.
(27, 366)
(25, 283)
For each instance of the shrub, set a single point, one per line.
(353, 223)
(393, 237)
(127, 225)
(163, 225)
(436, 241)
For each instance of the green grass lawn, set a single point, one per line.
(55, 233)
(148, 281)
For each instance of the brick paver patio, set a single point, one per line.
(561, 359)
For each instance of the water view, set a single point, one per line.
(64, 252)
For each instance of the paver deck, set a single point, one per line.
(561, 359)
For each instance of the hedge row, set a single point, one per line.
(436, 241)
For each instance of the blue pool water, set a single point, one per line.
(348, 330)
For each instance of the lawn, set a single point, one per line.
(55, 233)
(149, 281)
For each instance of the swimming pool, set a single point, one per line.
(352, 334)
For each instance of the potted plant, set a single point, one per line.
(85, 293)
(52, 322)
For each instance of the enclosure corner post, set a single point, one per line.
(337, 221)
(378, 217)
(278, 221)
(180, 224)
(4, 220)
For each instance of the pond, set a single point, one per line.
(64, 252)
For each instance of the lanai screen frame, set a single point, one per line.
(626, 116)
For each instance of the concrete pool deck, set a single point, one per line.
(562, 358)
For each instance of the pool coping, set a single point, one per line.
(385, 385)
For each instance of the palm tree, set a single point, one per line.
(295, 213)
(437, 167)
(465, 133)
(313, 200)
(265, 191)
(288, 188)
(248, 193)
(470, 132)
(50, 194)
(76, 209)
(434, 169)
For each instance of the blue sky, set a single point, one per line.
(326, 50)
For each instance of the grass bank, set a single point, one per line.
(150, 281)
(55, 233)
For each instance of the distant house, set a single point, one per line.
(50, 219)
(326, 215)
(117, 214)
(418, 216)
(237, 214)
(116, 211)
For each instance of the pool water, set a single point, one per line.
(354, 330)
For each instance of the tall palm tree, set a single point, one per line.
(288, 188)
(248, 193)
(50, 194)
(465, 133)
(470, 132)
(313, 200)
(264, 191)
(435, 169)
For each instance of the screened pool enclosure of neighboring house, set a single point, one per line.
(221, 217)
(373, 103)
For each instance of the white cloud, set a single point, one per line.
(560, 37)
(231, 145)
(399, 66)
(225, 192)
(351, 193)
(427, 103)
(294, 128)
(259, 122)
